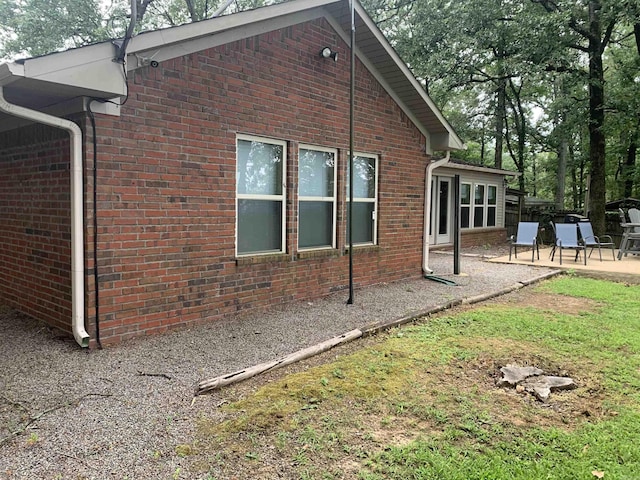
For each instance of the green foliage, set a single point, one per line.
(38, 27)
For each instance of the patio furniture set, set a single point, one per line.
(579, 237)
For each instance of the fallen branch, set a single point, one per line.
(223, 380)
(163, 375)
(35, 418)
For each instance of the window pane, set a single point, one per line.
(316, 224)
(479, 195)
(465, 194)
(316, 173)
(478, 216)
(259, 169)
(364, 180)
(443, 220)
(362, 222)
(464, 217)
(492, 195)
(259, 226)
(491, 216)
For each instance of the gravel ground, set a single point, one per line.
(120, 412)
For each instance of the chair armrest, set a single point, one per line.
(609, 237)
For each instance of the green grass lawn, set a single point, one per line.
(420, 402)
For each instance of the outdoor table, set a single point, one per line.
(629, 239)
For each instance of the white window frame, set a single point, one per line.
(469, 205)
(489, 207)
(373, 200)
(247, 196)
(485, 205)
(333, 199)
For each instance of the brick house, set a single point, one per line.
(208, 171)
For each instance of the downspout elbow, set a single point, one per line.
(427, 210)
(77, 246)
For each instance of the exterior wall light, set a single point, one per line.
(326, 52)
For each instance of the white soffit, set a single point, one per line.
(89, 68)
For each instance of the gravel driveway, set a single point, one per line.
(122, 411)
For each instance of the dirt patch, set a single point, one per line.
(546, 302)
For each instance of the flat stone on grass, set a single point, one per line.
(532, 380)
(542, 386)
(512, 375)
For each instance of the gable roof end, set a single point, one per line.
(60, 77)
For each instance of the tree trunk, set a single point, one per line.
(629, 167)
(563, 154)
(596, 205)
(500, 114)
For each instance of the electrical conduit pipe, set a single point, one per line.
(77, 244)
(427, 210)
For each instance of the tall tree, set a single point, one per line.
(590, 28)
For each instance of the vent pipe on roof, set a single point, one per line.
(77, 242)
(427, 210)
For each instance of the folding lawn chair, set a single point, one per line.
(526, 236)
(590, 240)
(567, 238)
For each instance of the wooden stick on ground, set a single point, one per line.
(223, 380)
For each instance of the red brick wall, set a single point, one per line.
(477, 238)
(166, 181)
(35, 249)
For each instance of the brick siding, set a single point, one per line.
(166, 183)
(35, 223)
(481, 237)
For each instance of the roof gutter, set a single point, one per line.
(427, 210)
(77, 244)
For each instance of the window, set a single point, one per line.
(316, 197)
(492, 205)
(465, 205)
(482, 212)
(260, 195)
(365, 194)
(478, 206)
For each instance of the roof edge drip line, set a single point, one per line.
(77, 243)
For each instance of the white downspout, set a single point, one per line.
(77, 243)
(427, 210)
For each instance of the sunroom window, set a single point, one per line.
(478, 206)
(316, 197)
(492, 205)
(260, 195)
(365, 197)
(465, 205)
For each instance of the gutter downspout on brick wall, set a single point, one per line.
(77, 242)
(427, 210)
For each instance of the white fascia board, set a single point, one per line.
(10, 72)
(138, 57)
(90, 68)
(249, 20)
(480, 168)
(453, 142)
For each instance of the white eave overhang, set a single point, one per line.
(479, 168)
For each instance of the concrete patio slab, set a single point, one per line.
(627, 269)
